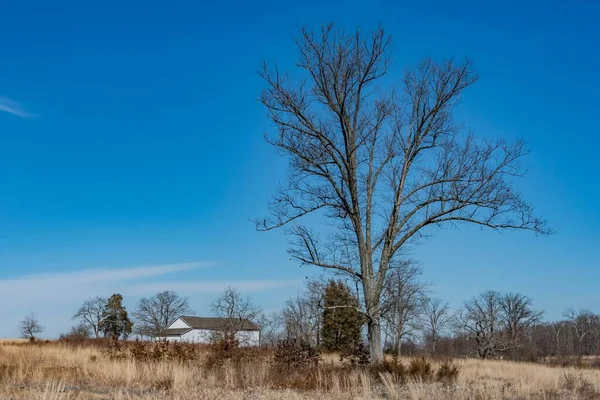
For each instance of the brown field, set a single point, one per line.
(56, 371)
(13, 341)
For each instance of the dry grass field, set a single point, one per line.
(56, 371)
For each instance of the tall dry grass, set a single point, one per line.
(58, 371)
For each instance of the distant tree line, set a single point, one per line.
(327, 315)
(490, 325)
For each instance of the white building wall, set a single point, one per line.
(196, 336)
(246, 338)
(178, 324)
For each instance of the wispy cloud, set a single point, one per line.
(13, 108)
(73, 285)
(210, 287)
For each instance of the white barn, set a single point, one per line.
(201, 330)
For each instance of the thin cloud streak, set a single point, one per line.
(189, 288)
(77, 285)
(106, 274)
(13, 108)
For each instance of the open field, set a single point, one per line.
(13, 341)
(57, 371)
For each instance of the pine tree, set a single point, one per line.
(115, 322)
(342, 322)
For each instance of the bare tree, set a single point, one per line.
(436, 318)
(90, 313)
(30, 327)
(270, 328)
(302, 314)
(402, 302)
(77, 332)
(301, 319)
(154, 314)
(558, 328)
(238, 310)
(383, 166)
(483, 322)
(518, 314)
(582, 323)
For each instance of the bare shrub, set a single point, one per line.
(355, 355)
(296, 352)
(145, 352)
(576, 383)
(393, 368)
(447, 372)
(222, 350)
(420, 368)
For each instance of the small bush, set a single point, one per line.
(139, 351)
(355, 355)
(222, 350)
(570, 380)
(420, 368)
(295, 352)
(393, 367)
(447, 372)
(578, 384)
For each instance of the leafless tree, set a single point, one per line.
(436, 318)
(154, 314)
(483, 322)
(384, 166)
(237, 309)
(402, 302)
(518, 314)
(557, 329)
(77, 332)
(582, 324)
(30, 327)
(90, 313)
(302, 315)
(271, 327)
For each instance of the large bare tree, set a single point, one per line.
(90, 313)
(154, 314)
(384, 164)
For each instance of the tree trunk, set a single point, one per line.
(373, 313)
(376, 351)
(398, 345)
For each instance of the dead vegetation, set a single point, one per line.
(146, 371)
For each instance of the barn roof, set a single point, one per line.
(175, 332)
(218, 324)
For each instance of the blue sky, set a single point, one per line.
(132, 153)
